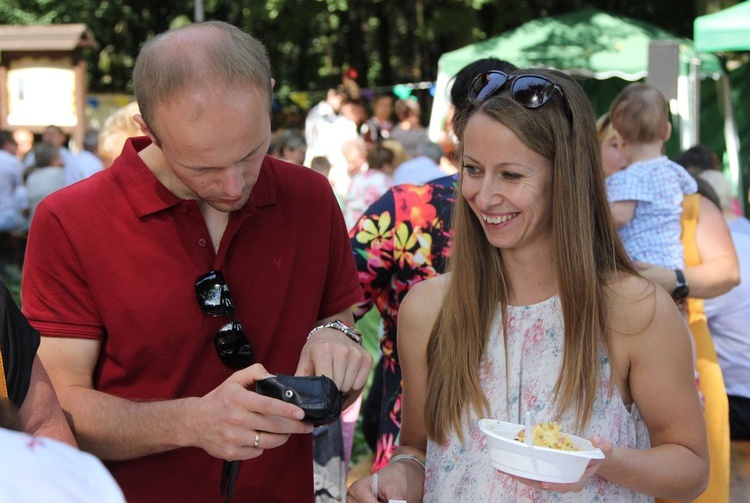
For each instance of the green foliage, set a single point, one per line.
(311, 41)
(368, 326)
(360, 449)
(12, 13)
(11, 275)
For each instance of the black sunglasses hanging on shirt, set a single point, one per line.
(231, 342)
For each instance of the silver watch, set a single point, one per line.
(341, 327)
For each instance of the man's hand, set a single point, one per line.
(229, 420)
(331, 353)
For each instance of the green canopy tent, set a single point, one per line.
(726, 30)
(723, 31)
(604, 50)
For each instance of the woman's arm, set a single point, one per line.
(416, 318)
(404, 479)
(719, 270)
(657, 364)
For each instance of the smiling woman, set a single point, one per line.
(541, 311)
(507, 187)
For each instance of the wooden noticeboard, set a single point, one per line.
(43, 77)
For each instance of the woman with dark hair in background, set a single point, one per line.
(401, 239)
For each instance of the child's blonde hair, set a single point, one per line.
(640, 114)
(604, 128)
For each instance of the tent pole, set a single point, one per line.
(732, 139)
(695, 100)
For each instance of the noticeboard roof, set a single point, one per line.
(54, 37)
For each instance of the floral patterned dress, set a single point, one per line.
(400, 240)
(463, 472)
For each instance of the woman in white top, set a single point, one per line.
(541, 311)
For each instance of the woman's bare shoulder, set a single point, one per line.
(636, 306)
(631, 303)
(420, 307)
(629, 287)
(429, 290)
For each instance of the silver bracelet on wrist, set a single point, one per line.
(342, 327)
(400, 457)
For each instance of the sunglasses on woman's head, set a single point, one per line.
(231, 342)
(527, 89)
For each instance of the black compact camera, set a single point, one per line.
(318, 396)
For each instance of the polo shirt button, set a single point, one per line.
(202, 243)
(185, 209)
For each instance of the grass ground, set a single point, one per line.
(11, 275)
(368, 326)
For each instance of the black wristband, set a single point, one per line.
(681, 289)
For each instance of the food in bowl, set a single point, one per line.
(548, 434)
(534, 462)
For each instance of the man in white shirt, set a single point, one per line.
(423, 168)
(86, 162)
(46, 177)
(320, 122)
(24, 141)
(56, 136)
(329, 126)
(10, 180)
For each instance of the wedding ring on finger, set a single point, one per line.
(256, 444)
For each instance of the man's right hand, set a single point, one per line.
(226, 422)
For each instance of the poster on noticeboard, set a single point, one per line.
(41, 91)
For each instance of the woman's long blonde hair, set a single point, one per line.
(588, 254)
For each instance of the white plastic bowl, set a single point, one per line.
(536, 463)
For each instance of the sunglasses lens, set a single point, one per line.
(532, 92)
(233, 347)
(213, 294)
(487, 84)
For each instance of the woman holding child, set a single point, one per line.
(703, 263)
(541, 311)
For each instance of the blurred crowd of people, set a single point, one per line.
(533, 236)
(32, 170)
(337, 140)
(368, 146)
(33, 167)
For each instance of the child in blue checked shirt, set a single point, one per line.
(646, 197)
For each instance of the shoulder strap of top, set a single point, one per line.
(690, 212)
(3, 387)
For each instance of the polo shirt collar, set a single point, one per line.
(148, 196)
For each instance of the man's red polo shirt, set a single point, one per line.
(115, 258)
